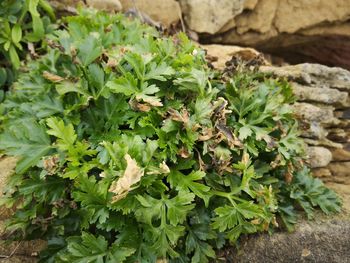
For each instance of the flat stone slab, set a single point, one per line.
(311, 242)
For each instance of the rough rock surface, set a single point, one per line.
(107, 5)
(324, 240)
(209, 16)
(167, 12)
(219, 54)
(319, 156)
(324, 115)
(300, 30)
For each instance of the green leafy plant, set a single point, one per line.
(132, 150)
(20, 24)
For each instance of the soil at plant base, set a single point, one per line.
(326, 239)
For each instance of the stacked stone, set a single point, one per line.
(324, 113)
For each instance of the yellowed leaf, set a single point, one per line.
(163, 169)
(131, 176)
(52, 77)
(152, 101)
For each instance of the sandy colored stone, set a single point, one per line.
(108, 5)
(225, 53)
(209, 16)
(341, 169)
(166, 12)
(321, 172)
(260, 19)
(321, 94)
(310, 112)
(323, 142)
(312, 130)
(328, 29)
(338, 135)
(292, 16)
(250, 4)
(340, 155)
(326, 239)
(318, 156)
(313, 74)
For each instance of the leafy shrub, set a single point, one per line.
(133, 150)
(20, 23)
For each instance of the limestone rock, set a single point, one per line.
(321, 172)
(324, 240)
(312, 130)
(316, 74)
(260, 19)
(311, 30)
(292, 16)
(313, 113)
(250, 4)
(166, 12)
(209, 16)
(321, 94)
(340, 169)
(108, 5)
(340, 155)
(323, 142)
(338, 135)
(221, 54)
(318, 156)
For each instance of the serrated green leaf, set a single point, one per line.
(28, 140)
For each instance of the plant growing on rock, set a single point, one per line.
(132, 150)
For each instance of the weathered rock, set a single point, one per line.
(340, 155)
(326, 240)
(343, 114)
(250, 4)
(321, 172)
(312, 130)
(313, 113)
(321, 95)
(313, 74)
(338, 135)
(340, 169)
(260, 19)
(108, 5)
(292, 16)
(318, 156)
(222, 53)
(167, 12)
(301, 30)
(323, 142)
(209, 16)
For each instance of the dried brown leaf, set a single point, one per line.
(52, 77)
(131, 176)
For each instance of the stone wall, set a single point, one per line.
(298, 30)
(323, 108)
